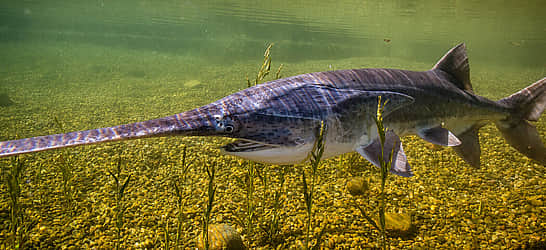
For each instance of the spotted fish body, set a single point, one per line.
(277, 122)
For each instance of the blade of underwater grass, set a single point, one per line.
(309, 188)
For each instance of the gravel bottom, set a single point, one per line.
(499, 206)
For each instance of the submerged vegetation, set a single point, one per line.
(12, 177)
(211, 190)
(309, 188)
(358, 186)
(62, 160)
(120, 187)
(452, 205)
(180, 184)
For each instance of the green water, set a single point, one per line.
(86, 51)
(102, 63)
(511, 33)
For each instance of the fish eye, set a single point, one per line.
(229, 128)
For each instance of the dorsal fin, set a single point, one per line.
(455, 63)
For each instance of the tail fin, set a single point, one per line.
(527, 105)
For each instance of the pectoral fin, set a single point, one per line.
(399, 166)
(439, 136)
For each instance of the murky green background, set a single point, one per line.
(102, 63)
(509, 33)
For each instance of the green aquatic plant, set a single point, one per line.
(278, 74)
(265, 69)
(247, 183)
(210, 169)
(273, 217)
(309, 188)
(65, 166)
(66, 173)
(120, 207)
(381, 130)
(251, 170)
(167, 239)
(179, 186)
(384, 171)
(13, 179)
(250, 189)
(40, 180)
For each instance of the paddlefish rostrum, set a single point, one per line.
(278, 122)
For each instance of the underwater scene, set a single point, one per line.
(79, 65)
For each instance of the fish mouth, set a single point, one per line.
(266, 153)
(245, 146)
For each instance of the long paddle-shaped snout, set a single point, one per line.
(189, 123)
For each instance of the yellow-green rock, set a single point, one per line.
(397, 224)
(222, 236)
(357, 186)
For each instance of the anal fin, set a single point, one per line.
(469, 149)
(399, 166)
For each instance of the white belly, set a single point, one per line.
(292, 155)
(277, 155)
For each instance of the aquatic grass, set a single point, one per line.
(274, 221)
(179, 186)
(13, 179)
(39, 179)
(248, 182)
(381, 130)
(210, 169)
(272, 228)
(278, 73)
(251, 170)
(19, 224)
(384, 171)
(271, 195)
(309, 188)
(265, 69)
(166, 238)
(120, 208)
(65, 166)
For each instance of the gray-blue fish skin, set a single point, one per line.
(277, 122)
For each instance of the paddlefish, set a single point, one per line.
(278, 122)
